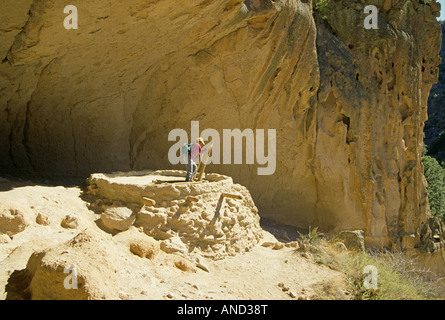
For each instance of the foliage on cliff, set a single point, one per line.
(435, 175)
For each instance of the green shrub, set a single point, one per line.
(435, 175)
(312, 237)
(398, 277)
(391, 285)
(321, 6)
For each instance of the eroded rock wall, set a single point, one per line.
(348, 103)
(373, 94)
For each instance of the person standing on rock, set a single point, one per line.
(194, 152)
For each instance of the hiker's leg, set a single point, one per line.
(188, 177)
(191, 169)
(194, 168)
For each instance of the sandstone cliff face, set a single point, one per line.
(348, 103)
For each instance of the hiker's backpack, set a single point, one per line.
(186, 149)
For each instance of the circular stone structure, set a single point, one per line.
(213, 217)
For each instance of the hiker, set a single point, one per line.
(194, 151)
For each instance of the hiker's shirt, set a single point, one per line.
(196, 150)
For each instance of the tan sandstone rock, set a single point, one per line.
(82, 268)
(138, 243)
(42, 219)
(70, 222)
(348, 103)
(14, 218)
(353, 240)
(145, 247)
(117, 218)
(186, 216)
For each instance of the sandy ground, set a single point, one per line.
(261, 273)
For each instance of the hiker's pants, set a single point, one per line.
(191, 169)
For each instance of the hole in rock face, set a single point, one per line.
(259, 5)
(346, 120)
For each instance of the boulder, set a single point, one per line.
(173, 245)
(70, 222)
(148, 201)
(202, 264)
(184, 264)
(432, 235)
(352, 240)
(144, 246)
(117, 218)
(151, 219)
(42, 219)
(293, 244)
(138, 243)
(14, 218)
(82, 268)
